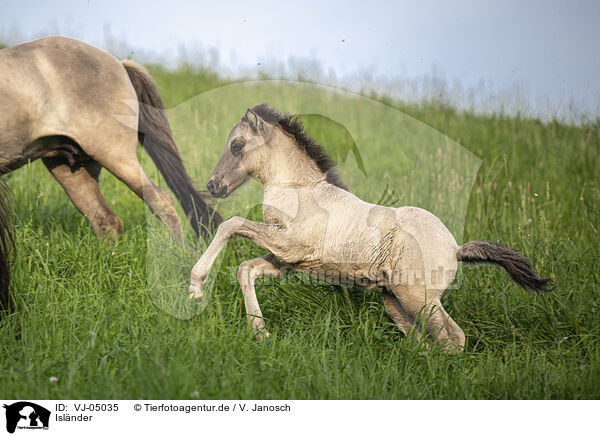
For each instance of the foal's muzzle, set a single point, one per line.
(216, 187)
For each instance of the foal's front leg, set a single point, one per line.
(265, 235)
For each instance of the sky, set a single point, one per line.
(545, 53)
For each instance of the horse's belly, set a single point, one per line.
(345, 274)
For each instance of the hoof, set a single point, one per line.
(195, 292)
(262, 335)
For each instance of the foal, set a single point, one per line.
(312, 224)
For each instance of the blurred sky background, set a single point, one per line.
(540, 58)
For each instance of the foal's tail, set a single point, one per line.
(7, 243)
(154, 133)
(518, 266)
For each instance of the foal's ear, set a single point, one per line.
(257, 124)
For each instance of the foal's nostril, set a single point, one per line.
(216, 188)
(213, 186)
(210, 186)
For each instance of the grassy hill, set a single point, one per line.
(88, 313)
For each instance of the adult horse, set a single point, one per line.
(313, 224)
(64, 101)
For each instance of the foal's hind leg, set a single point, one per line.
(453, 332)
(248, 272)
(81, 185)
(428, 309)
(404, 320)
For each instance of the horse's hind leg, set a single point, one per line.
(129, 171)
(454, 332)
(248, 272)
(81, 185)
(449, 334)
(428, 309)
(399, 315)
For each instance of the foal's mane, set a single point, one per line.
(294, 127)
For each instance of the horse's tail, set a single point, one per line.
(154, 133)
(7, 243)
(518, 266)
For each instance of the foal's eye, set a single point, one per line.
(237, 146)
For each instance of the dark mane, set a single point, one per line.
(293, 126)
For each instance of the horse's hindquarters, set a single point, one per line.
(63, 87)
(426, 249)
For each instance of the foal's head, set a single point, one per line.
(264, 142)
(244, 152)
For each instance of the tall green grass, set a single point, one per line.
(85, 313)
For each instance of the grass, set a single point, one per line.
(95, 315)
